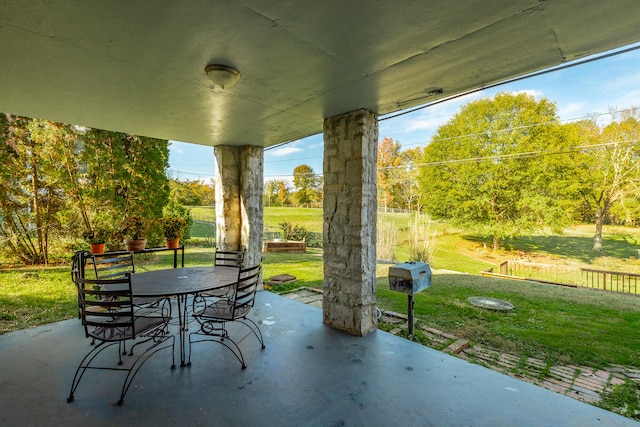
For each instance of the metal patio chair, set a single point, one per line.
(228, 258)
(213, 316)
(232, 258)
(116, 265)
(107, 313)
(78, 265)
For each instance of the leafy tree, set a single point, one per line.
(283, 192)
(611, 167)
(486, 171)
(270, 192)
(193, 192)
(14, 190)
(126, 173)
(55, 183)
(391, 176)
(37, 184)
(410, 195)
(306, 183)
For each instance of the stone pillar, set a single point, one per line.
(350, 212)
(251, 202)
(228, 219)
(239, 210)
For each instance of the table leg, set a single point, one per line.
(183, 321)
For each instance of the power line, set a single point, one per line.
(528, 154)
(533, 125)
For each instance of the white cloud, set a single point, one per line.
(285, 151)
(531, 92)
(573, 110)
(419, 126)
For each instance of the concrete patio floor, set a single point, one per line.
(309, 375)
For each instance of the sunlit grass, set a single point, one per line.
(553, 323)
(30, 297)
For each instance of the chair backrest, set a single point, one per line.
(78, 264)
(106, 308)
(230, 258)
(113, 265)
(245, 289)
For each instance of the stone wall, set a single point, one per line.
(349, 234)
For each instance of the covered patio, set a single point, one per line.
(304, 68)
(308, 375)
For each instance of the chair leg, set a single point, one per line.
(84, 365)
(211, 331)
(254, 328)
(133, 371)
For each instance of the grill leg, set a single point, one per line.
(410, 314)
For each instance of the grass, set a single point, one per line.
(552, 323)
(33, 296)
(559, 325)
(556, 324)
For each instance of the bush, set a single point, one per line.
(294, 232)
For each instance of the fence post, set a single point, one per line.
(504, 267)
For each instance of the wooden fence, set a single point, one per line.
(615, 281)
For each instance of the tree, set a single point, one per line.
(306, 183)
(391, 176)
(193, 192)
(270, 192)
(57, 185)
(283, 192)
(38, 186)
(16, 220)
(610, 168)
(121, 171)
(409, 196)
(486, 170)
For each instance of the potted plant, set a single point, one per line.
(132, 229)
(96, 239)
(172, 230)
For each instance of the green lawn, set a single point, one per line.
(34, 296)
(553, 323)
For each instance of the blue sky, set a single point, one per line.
(581, 91)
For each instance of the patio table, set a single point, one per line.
(182, 282)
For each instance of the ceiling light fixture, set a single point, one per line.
(222, 76)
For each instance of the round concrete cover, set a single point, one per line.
(491, 303)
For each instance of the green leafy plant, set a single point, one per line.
(175, 209)
(97, 235)
(172, 227)
(622, 399)
(293, 232)
(133, 227)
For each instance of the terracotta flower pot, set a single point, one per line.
(172, 244)
(97, 248)
(135, 245)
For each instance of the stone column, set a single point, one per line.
(350, 211)
(228, 220)
(251, 202)
(239, 210)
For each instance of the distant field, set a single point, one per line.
(458, 251)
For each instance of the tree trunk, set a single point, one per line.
(35, 187)
(597, 238)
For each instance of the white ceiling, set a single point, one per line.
(138, 66)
